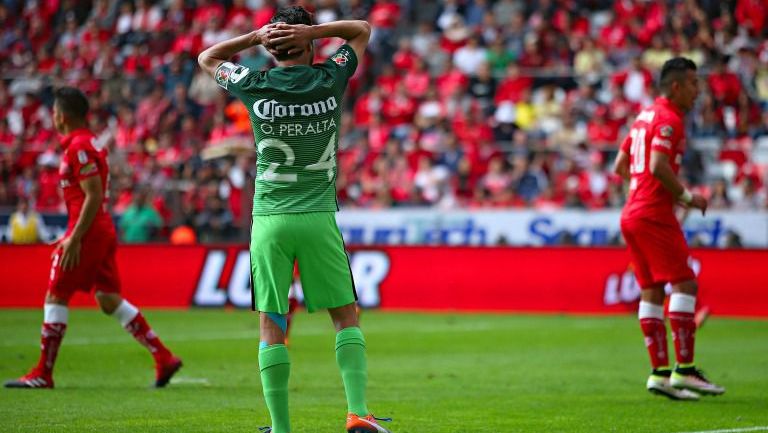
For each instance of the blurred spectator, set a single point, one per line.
(719, 199)
(25, 226)
(140, 222)
(456, 104)
(214, 224)
(469, 57)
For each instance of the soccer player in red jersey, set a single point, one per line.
(649, 159)
(84, 259)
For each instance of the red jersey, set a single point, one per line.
(657, 128)
(80, 160)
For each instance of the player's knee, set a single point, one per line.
(654, 295)
(689, 287)
(108, 302)
(50, 298)
(273, 328)
(344, 317)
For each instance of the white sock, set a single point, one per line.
(682, 303)
(55, 313)
(125, 312)
(647, 310)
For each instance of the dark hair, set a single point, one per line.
(291, 15)
(674, 70)
(71, 101)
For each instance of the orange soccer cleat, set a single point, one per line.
(365, 424)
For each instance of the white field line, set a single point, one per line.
(87, 341)
(239, 335)
(190, 380)
(733, 430)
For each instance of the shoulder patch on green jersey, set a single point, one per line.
(341, 58)
(229, 72)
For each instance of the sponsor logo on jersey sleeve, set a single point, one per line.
(666, 131)
(661, 143)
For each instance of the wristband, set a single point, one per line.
(685, 196)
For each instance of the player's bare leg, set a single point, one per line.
(350, 356)
(651, 316)
(682, 309)
(55, 318)
(293, 305)
(131, 319)
(275, 369)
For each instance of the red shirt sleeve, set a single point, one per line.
(82, 160)
(666, 136)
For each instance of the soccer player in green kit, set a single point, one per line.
(295, 112)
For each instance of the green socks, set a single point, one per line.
(275, 369)
(350, 355)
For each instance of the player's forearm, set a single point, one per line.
(213, 56)
(348, 30)
(665, 175)
(88, 213)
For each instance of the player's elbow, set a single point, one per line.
(363, 31)
(202, 59)
(621, 165)
(619, 169)
(365, 27)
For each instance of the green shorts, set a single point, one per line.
(312, 240)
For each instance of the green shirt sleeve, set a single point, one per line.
(342, 63)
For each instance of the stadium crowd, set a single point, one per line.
(458, 104)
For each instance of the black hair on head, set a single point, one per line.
(674, 69)
(291, 15)
(71, 101)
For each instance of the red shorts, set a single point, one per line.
(658, 252)
(96, 271)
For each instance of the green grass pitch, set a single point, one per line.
(433, 373)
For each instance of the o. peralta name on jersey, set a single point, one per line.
(299, 129)
(271, 110)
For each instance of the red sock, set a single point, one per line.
(681, 316)
(655, 333)
(684, 334)
(50, 340)
(141, 331)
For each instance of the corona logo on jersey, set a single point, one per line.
(270, 109)
(225, 278)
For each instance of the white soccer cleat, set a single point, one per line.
(661, 385)
(693, 379)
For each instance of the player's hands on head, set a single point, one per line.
(261, 36)
(699, 202)
(70, 252)
(289, 38)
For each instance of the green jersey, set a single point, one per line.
(295, 114)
